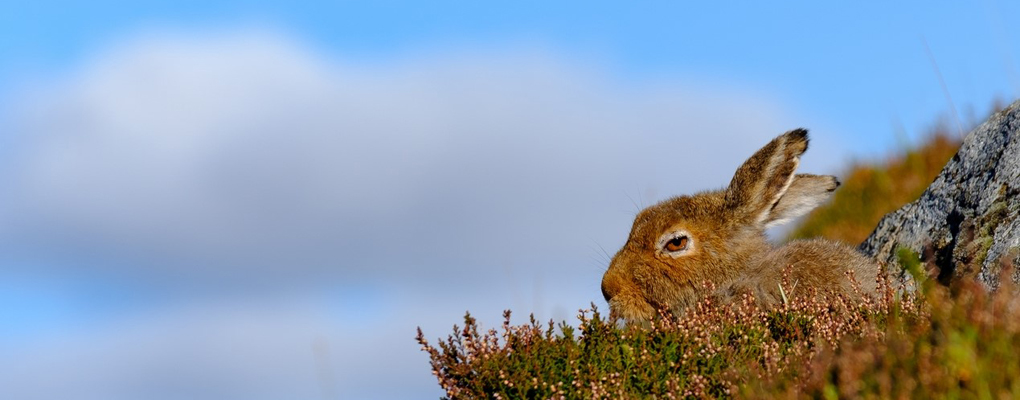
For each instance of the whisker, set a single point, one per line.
(609, 258)
(601, 251)
(636, 206)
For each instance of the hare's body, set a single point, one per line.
(815, 263)
(713, 243)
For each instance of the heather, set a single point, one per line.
(954, 342)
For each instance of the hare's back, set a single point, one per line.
(814, 263)
(825, 264)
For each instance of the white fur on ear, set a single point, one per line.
(764, 216)
(803, 194)
(760, 182)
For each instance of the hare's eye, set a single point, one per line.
(677, 244)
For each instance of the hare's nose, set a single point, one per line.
(610, 288)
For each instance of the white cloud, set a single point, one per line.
(460, 181)
(250, 151)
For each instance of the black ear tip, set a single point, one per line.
(798, 139)
(799, 133)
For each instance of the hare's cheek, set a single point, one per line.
(644, 279)
(655, 287)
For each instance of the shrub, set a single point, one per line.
(708, 352)
(932, 344)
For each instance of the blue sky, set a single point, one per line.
(209, 188)
(860, 67)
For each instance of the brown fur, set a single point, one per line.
(727, 249)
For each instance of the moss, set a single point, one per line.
(978, 247)
(980, 250)
(997, 213)
(910, 261)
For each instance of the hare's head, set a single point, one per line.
(678, 246)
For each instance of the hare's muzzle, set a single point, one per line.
(609, 288)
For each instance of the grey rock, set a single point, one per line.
(967, 223)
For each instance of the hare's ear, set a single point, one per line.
(804, 194)
(763, 179)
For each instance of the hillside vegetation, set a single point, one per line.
(933, 344)
(939, 342)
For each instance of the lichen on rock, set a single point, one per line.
(967, 223)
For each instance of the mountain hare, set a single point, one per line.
(678, 246)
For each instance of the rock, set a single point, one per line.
(968, 220)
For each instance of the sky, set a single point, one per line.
(220, 200)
